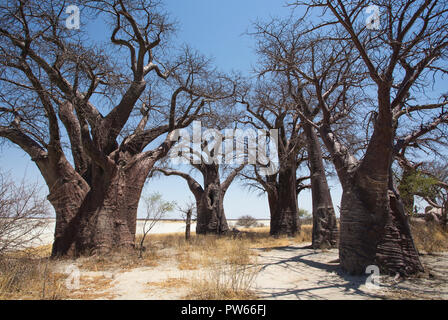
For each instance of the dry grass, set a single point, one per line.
(227, 263)
(93, 287)
(35, 278)
(121, 259)
(260, 238)
(170, 283)
(32, 252)
(230, 271)
(225, 282)
(429, 237)
(30, 279)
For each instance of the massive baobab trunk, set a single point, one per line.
(210, 204)
(325, 229)
(374, 228)
(106, 215)
(96, 196)
(211, 218)
(283, 202)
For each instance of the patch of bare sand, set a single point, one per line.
(432, 286)
(163, 282)
(298, 272)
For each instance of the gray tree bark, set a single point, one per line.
(325, 230)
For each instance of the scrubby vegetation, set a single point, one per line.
(246, 221)
(229, 273)
(429, 237)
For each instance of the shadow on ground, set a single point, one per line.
(300, 272)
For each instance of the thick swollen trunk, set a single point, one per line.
(325, 229)
(283, 204)
(375, 230)
(211, 218)
(67, 193)
(106, 218)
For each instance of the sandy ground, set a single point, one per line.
(295, 272)
(286, 273)
(47, 232)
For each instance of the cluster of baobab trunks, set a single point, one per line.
(310, 87)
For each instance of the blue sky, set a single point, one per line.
(215, 28)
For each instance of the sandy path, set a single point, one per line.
(287, 273)
(298, 273)
(152, 283)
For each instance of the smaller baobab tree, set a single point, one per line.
(209, 197)
(189, 214)
(280, 54)
(269, 107)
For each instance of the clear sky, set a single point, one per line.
(216, 28)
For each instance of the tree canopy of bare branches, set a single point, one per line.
(400, 58)
(22, 214)
(110, 108)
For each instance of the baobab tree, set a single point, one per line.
(280, 52)
(270, 107)
(418, 176)
(188, 211)
(402, 50)
(95, 120)
(209, 197)
(270, 185)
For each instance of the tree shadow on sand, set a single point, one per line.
(331, 282)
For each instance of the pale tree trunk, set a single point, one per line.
(325, 229)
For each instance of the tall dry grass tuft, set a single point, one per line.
(122, 259)
(429, 237)
(229, 274)
(30, 278)
(225, 282)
